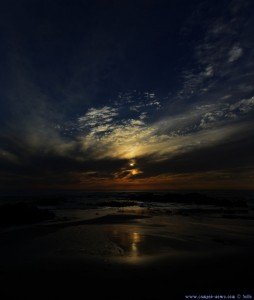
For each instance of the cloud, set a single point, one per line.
(231, 154)
(103, 142)
(138, 101)
(98, 116)
(209, 71)
(129, 138)
(211, 68)
(243, 106)
(235, 53)
(53, 135)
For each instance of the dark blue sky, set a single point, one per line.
(126, 94)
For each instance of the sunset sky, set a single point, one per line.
(144, 94)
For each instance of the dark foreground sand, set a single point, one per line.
(128, 255)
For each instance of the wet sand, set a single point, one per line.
(128, 254)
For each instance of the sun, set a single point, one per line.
(132, 163)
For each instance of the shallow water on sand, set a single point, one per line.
(131, 245)
(129, 238)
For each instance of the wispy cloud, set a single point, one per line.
(214, 65)
(98, 117)
(111, 135)
(235, 53)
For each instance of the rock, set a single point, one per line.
(22, 213)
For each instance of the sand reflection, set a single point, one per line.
(136, 239)
(129, 240)
(138, 246)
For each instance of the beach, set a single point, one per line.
(129, 252)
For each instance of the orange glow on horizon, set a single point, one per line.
(130, 182)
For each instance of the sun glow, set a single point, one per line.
(132, 163)
(135, 172)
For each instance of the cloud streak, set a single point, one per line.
(109, 145)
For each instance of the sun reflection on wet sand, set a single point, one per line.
(129, 240)
(136, 239)
(138, 247)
